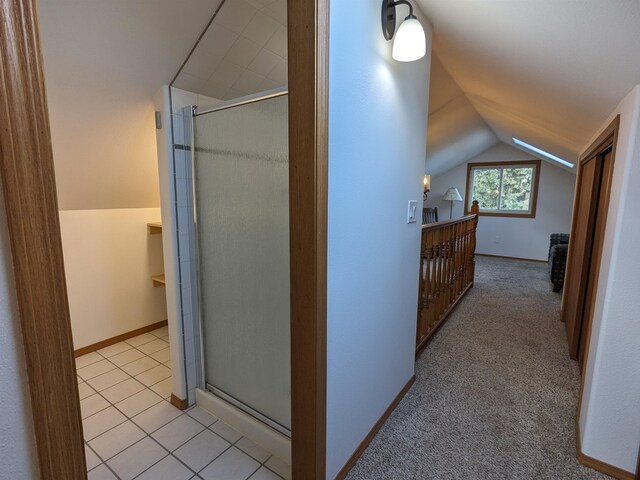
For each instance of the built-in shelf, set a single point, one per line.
(158, 280)
(154, 228)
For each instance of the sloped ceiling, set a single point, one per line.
(104, 62)
(243, 51)
(548, 72)
(455, 131)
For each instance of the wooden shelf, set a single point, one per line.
(154, 228)
(158, 280)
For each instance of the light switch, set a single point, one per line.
(412, 211)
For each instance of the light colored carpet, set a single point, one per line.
(496, 393)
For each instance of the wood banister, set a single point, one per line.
(447, 271)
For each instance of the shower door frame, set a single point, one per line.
(250, 99)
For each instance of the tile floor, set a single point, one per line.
(132, 431)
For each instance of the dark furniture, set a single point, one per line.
(558, 247)
(429, 215)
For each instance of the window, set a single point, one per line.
(503, 188)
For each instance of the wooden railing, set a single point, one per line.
(447, 268)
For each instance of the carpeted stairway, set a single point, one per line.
(495, 394)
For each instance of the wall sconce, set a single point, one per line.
(426, 182)
(410, 43)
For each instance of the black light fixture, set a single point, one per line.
(410, 43)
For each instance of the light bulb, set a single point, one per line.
(409, 43)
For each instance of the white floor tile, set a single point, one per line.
(139, 402)
(165, 338)
(126, 357)
(152, 347)
(114, 349)
(101, 422)
(201, 450)
(95, 369)
(225, 431)
(163, 388)
(84, 390)
(92, 404)
(137, 458)
(161, 355)
(232, 464)
(101, 473)
(280, 467)
(264, 474)
(153, 376)
(141, 339)
(160, 332)
(116, 440)
(106, 380)
(201, 415)
(168, 364)
(157, 416)
(88, 359)
(167, 469)
(92, 459)
(252, 449)
(122, 390)
(177, 432)
(139, 366)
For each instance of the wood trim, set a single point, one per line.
(372, 433)
(179, 403)
(28, 182)
(442, 223)
(598, 465)
(511, 258)
(308, 47)
(536, 184)
(118, 338)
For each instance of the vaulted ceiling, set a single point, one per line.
(548, 72)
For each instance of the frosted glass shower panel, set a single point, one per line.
(242, 206)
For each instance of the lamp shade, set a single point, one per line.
(409, 43)
(453, 195)
(426, 182)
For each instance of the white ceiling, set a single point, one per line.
(546, 71)
(455, 132)
(104, 62)
(243, 51)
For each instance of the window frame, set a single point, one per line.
(536, 164)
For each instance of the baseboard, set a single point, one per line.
(367, 440)
(179, 403)
(511, 258)
(118, 338)
(598, 465)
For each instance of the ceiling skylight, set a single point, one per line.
(542, 152)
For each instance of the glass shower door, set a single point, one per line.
(241, 179)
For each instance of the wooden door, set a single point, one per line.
(585, 244)
(581, 239)
(606, 161)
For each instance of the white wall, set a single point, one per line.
(512, 237)
(609, 417)
(377, 143)
(109, 258)
(18, 457)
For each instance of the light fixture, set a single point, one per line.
(410, 43)
(542, 152)
(426, 182)
(452, 195)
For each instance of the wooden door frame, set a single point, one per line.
(308, 51)
(608, 137)
(28, 181)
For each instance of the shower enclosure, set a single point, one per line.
(241, 193)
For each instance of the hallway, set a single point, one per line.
(495, 393)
